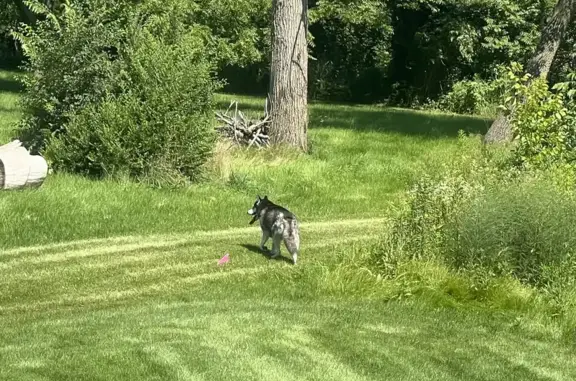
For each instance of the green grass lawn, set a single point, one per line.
(9, 111)
(108, 280)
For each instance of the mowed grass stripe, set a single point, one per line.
(144, 261)
(175, 239)
(104, 263)
(41, 282)
(187, 247)
(105, 287)
(108, 296)
(290, 340)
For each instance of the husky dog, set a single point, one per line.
(278, 223)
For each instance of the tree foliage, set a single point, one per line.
(409, 51)
(540, 62)
(239, 30)
(440, 42)
(351, 45)
(9, 19)
(544, 120)
(406, 52)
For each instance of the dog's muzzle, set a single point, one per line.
(254, 215)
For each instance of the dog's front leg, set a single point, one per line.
(276, 241)
(265, 236)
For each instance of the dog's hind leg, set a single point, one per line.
(292, 248)
(277, 235)
(294, 257)
(292, 240)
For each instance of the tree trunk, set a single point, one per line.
(289, 74)
(26, 14)
(539, 65)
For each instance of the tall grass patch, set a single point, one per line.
(526, 229)
(498, 229)
(482, 233)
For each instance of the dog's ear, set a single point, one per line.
(258, 197)
(266, 198)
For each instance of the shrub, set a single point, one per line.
(543, 119)
(492, 224)
(119, 90)
(526, 229)
(433, 203)
(489, 223)
(475, 96)
(162, 126)
(504, 238)
(71, 62)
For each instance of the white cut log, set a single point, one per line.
(10, 146)
(18, 169)
(15, 167)
(38, 171)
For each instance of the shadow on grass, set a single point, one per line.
(407, 122)
(366, 118)
(266, 254)
(8, 110)
(463, 351)
(8, 85)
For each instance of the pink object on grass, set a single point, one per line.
(224, 259)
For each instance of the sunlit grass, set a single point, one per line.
(9, 111)
(112, 280)
(359, 166)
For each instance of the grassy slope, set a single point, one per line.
(360, 165)
(113, 281)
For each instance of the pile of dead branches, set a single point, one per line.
(242, 130)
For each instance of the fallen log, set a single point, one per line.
(38, 171)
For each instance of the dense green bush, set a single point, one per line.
(475, 97)
(543, 119)
(160, 130)
(69, 66)
(115, 88)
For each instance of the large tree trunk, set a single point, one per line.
(289, 73)
(26, 14)
(539, 65)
